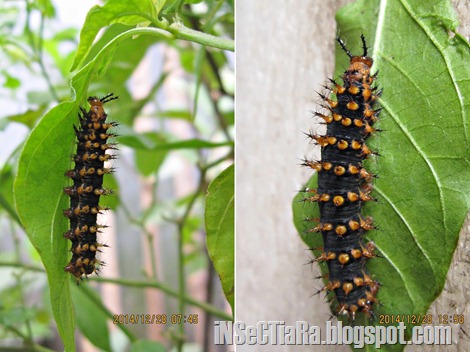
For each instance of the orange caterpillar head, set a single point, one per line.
(359, 68)
(96, 106)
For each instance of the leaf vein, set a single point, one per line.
(412, 233)
(433, 39)
(425, 158)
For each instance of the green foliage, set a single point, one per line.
(147, 346)
(220, 213)
(87, 312)
(423, 189)
(129, 30)
(41, 216)
(114, 11)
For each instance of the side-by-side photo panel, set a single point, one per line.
(352, 179)
(117, 139)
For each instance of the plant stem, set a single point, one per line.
(23, 266)
(182, 32)
(181, 283)
(99, 304)
(36, 347)
(207, 307)
(215, 70)
(150, 236)
(227, 157)
(37, 49)
(41, 62)
(28, 339)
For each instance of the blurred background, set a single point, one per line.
(285, 53)
(169, 92)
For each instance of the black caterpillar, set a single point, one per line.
(344, 185)
(85, 193)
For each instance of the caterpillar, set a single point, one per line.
(87, 176)
(344, 185)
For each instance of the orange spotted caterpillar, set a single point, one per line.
(87, 176)
(344, 185)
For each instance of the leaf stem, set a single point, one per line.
(37, 49)
(180, 31)
(150, 236)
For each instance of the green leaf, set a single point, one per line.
(96, 67)
(46, 7)
(172, 8)
(147, 346)
(229, 117)
(28, 118)
(10, 81)
(176, 114)
(39, 202)
(38, 186)
(423, 189)
(192, 1)
(138, 141)
(194, 144)
(149, 161)
(219, 220)
(111, 201)
(62, 60)
(6, 190)
(16, 315)
(130, 12)
(91, 320)
(144, 143)
(127, 56)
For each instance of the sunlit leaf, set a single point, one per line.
(130, 12)
(423, 189)
(91, 320)
(219, 219)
